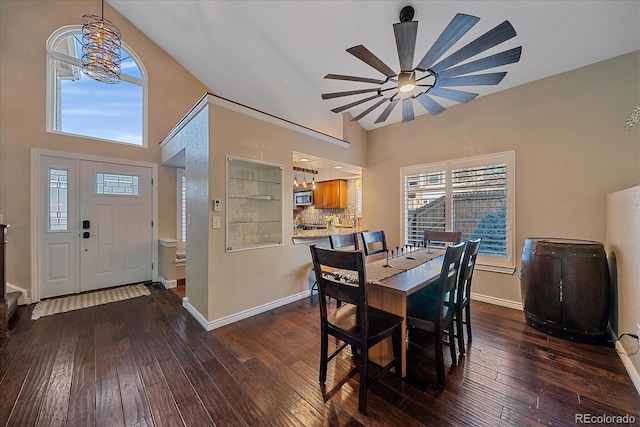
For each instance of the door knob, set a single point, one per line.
(85, 235)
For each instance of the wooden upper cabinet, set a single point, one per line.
(330, 194)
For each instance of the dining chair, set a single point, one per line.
(374, 242)
(344, 241)
(340, 241)
(441, 237)
(463, 292)
(437, 316)
(355, 323)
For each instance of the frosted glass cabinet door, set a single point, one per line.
(254, 204)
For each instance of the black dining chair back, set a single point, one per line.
(356, 323)
(374, 242)
(463, 293)
(344, 241)
(437, 316)
(441, 238)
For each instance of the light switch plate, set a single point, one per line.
(215, 222)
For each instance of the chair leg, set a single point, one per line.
(452, 345)
(324, 352)
(460, 330)
(439, 358)
(364, 379)
(468, 319)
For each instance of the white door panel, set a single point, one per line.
(59, 237)
(119, 248)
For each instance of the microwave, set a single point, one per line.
(303, 198)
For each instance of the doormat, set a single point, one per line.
(88, 299)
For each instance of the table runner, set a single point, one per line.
(376, 272)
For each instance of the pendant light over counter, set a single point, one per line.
(304, 179)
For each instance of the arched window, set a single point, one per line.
(79, 105)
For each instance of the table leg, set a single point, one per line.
(395, 303)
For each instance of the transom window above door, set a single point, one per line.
(79, 105)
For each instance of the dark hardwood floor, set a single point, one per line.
(146, 361)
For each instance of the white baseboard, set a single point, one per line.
(24, 299)
(497, 301)
(227, 320)
(195, 313)
(631, 370)
(168, 284)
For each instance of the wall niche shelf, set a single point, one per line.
(254, 204)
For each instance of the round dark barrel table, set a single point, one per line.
(566, 289)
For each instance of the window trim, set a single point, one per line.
(53, 55)
(180, 175)
(507, 265)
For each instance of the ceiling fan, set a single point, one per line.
(431, 77)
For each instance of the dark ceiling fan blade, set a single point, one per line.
(353, 104)
(370, 109)
(347, 93)
(406, 33)
(407, 110)
(503, 58)
(354, 79)
(458, 27)
(364, 55)
(429, 104)
(491, 38)
(454, 95)
(477, 80)
(387, 110)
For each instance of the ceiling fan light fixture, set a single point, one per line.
(406, 81)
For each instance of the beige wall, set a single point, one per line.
(24, 29)
(623, 229)
(243, 280)
(570, 146)
(221, 284)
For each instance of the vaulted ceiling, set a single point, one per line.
(273, 55)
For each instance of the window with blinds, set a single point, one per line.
(474, 196)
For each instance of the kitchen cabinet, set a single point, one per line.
(566, 288)
(330, 194)
(254, 204)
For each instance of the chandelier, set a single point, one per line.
(632, 118)
(101, 53)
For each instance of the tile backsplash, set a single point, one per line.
(311, 215)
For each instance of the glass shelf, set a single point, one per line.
(254, 204)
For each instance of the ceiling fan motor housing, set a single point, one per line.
(406, 14)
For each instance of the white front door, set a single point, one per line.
(96, 228)
(115, 200)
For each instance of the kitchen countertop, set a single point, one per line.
(300, 236)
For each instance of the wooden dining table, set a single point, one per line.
(390, 294)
